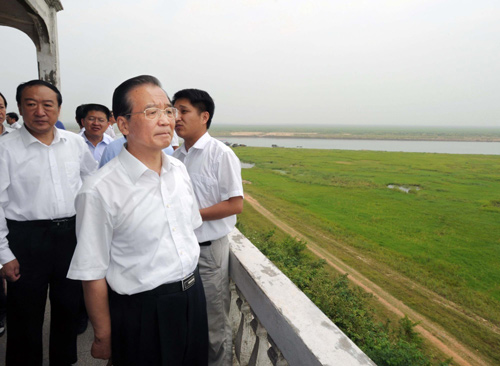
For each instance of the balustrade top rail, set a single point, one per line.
(304, 335)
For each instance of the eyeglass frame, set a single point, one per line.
(174, 110)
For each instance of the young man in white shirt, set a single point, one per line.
(135, 226)
(216, 174)
(41, 170)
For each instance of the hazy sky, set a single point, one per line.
(285, 62)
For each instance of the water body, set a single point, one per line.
(445, 147)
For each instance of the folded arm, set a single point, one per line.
(232, 206)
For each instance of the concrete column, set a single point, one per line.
(38, 19)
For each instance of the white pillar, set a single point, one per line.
(38, 19)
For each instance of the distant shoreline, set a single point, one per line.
(352, 136)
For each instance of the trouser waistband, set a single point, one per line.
(169, 288)
(63, 222)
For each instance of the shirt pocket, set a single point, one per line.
(206, 190)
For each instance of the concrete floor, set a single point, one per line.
(84, 344)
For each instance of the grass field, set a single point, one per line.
(444, 234)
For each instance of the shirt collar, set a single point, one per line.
(199, 144)
(202, 141)
(105, 139)
(135, 168)
(29, 139)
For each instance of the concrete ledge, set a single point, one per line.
(302, 333)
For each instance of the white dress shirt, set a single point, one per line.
(39, 182)
(134, 227)
(215, 171)
(175, 140)
(110, 131)
(97, 150)
(11, 128)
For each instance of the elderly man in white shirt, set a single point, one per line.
(135, 226)
(216, 174)
(41, 170)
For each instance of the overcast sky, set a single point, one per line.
(290, 62)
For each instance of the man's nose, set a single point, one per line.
(39, 110)
(163, 119)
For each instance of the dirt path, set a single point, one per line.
(432, 332)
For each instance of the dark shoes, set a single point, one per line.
(2, 327)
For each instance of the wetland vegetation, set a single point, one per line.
(444, 236)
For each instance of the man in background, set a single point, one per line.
(79, 116)
(3, 111)
(216, 174)
(95, 121)
(12, 123)
(41, 170)
(111, 128)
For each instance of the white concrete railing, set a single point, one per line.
(274, 322)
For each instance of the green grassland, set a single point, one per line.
(443, 234)
(428, 133)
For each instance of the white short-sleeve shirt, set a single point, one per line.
(38, 181)
(134, 227)
(215, 171)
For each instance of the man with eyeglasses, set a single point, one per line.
(95, 122)
(137, 253)
(41, 171)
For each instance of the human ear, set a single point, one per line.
(122, 123)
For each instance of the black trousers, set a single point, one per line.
(160, 327)
(44, 250)
(3, 301)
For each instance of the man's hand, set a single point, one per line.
(101, 348)
(10, 270)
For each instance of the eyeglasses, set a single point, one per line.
(155, 113)
(92, 119)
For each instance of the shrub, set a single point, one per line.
(347, 306)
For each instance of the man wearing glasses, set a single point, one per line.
(95, 122)
(41, 171)
(135, 226)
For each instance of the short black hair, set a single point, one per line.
(79, 114)
(13, 115)
(95, 107)
(22, 86)
(122, 105)
(200, 99)
(4, 100)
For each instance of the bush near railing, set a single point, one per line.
(274, 323)
(346, 305)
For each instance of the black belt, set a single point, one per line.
(61, 223)
(205, 243)
(170, 288)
